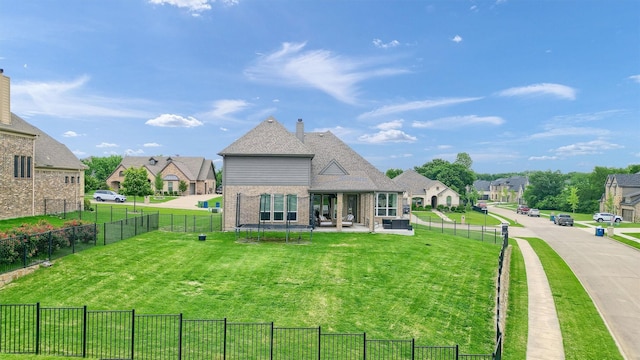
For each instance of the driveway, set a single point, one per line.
(608, 270)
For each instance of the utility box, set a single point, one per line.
(599, 231)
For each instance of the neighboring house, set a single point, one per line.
(483, 187)
(419, 190)
(38, 174)
(508, 189)
(270, 172)
(624, 192)
(197, 172)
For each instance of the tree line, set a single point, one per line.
(548, 190)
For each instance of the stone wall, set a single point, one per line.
(16, 195)
(57, 186)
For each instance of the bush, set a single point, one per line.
(87, 205)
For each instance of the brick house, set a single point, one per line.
(624, 190)
(275, 176)
(422, 191)
(38, 174)
(198, 172)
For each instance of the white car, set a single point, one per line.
(601, 217)
(533, 212)
(104, 195)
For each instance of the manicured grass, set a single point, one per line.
(584, 333)
(436, 288)
(631, 243)
(517, 322)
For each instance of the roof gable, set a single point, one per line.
(191, 167)
(269, 138)
(333, 168)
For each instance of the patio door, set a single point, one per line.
(352, 205)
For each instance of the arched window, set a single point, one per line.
(448, 200)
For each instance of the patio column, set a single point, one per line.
(340, 198)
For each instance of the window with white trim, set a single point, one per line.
(386, 204)
(275, 206)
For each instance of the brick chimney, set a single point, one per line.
(300, 130)
(5, 110)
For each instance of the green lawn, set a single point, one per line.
(517, 322)
(584, 334)
(436, 288)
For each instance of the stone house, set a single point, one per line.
(419, 190)
(198, 172)
(38, 174)
(508, 189)
(274, 176)
(624, 192)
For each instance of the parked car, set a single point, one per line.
(104, 195)
(600, 217)
(522, 209)
(533, 212)
(219, 190)
(563, 219)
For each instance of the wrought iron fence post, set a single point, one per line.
(84, 331)
(457, 352)
(64, 208)
(271, 343)
(95, 234)
(37, 328)
(224, 339)
(319, 343)
(180, 338)
(133, 332)
(73, 239)
(413, 349)
(442, 225)
(454, 227)
(50, 249)
(25, 242)
(364, 349)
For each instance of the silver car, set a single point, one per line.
(600, 217)
(533, 212)
(104, 195)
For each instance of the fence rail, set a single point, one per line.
(79, 332)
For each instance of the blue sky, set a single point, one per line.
(518, 85)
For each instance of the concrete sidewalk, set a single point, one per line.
(544, 338)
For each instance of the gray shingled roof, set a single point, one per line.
(413, 182)
(358, 175)
(627, 180)
(194, 168)
(268, 138)
(49, 153)
(334, 165)
(514, 182)
(482, 185)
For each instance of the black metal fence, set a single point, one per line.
(79, 332)
(130, 227)
(25, 250)
(477, 232)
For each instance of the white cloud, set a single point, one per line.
(153, 144)
(171, 120)
(338, 131)
(542, 158)
(68, 99)
(222, 108)
(106, 145)
(379, 44)
(338, 76)
(570, 131)
(79, 153)
(191, 5)
(395, 124)
(415, 105)
(444, 147)
(635, 78)
(557, 90)
(586, 148)
(456, 122)
(457, 39)
(132, 152)
(70, 134)
(384, 136)
(224, 129)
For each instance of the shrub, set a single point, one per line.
(87, 205)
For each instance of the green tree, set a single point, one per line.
(98, 170)
(609, 205)
(573, 200)
(544, 189)
(464, 159)
(159, 184)
(391, 173)
(136, 183)
(455, 176)
(182, 186)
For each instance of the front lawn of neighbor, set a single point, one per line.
(436, 288)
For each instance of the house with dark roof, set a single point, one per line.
(274, 176)
(198, 172)
(419, 190)
(623, 192)
(38, 175)
(483, 187)
(508, 189)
